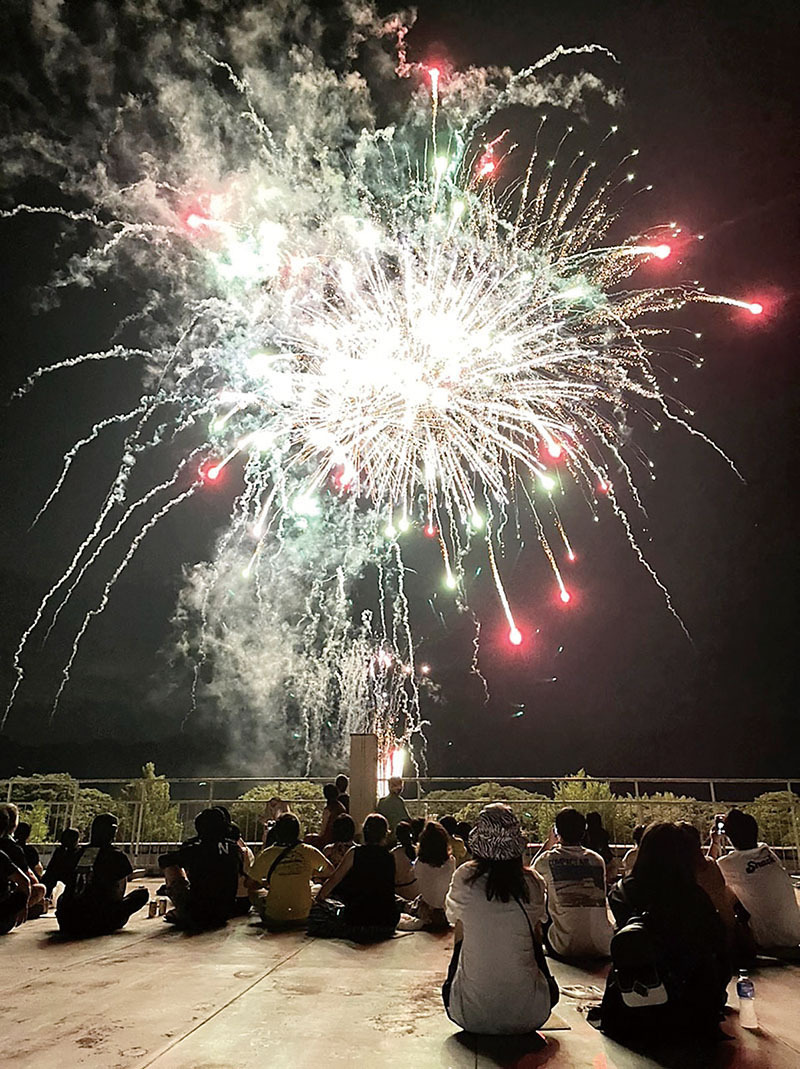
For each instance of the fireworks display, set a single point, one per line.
(374, 332)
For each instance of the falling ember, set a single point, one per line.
(565, 596)
(662, 251)
(756, 309)
(515, 637)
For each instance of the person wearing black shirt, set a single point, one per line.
(94, 900)
(63, 860)
(364, 882)
(15, 889)
(22, 834)
(202, 875)
(343, 786)
(9, 817)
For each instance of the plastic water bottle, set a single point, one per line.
(745, 989)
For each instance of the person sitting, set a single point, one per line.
(756, 877)
(22, 835)
(417, 824)
(741, 947)
(285, 871)
(62, 861)
(458, 847)
(9, 818)
(94, 900)
(392, 806)
(202, 875)
(597, 839)
(343, 786)
(578, 924)
(15, 889)
(463, 829)
(333, 809)
(405, 854)
(365, 883)
(629, 860)
(344, 839)
(668, 924)
(498, 982)
(241, 906)
(434, 870)
(275, 807)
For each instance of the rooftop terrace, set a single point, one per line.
(150, 996)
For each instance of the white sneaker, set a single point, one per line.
(407, 923)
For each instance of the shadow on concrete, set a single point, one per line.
(509, 1052)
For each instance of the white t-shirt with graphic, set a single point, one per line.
(764, 888)
(575, 879)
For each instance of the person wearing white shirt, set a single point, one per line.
(629, 860)
(498, 982)
(575, 879)
(757, 878)
(433, 871)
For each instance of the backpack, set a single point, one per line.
(639, 971)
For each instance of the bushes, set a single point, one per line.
(160, 820)
(51, 802)
(444, 803)
(305, 799)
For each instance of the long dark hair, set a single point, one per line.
(434, 846)
(665, 864)
(504, 879)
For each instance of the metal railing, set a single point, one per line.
(622, 801)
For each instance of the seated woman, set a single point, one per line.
(364, 882)
(344, 839)
(498, 982)
(285, 871)
(678, 937)
(405, 854)
(333, 809)
(434, 870)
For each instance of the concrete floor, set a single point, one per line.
(240, 997)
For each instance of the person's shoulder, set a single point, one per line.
(591, 856)
(534, 877)
(464, 874)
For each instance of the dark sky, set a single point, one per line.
(710, 97)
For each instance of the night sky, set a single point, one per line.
(611, 683)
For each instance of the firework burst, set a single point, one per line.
(382, 331)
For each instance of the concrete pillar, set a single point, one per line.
(363, 776)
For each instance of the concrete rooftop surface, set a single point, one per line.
(241, 997)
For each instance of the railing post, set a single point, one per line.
(793, 810)
(73, 814)
(140, 820)
(712, 791)
(638, 802)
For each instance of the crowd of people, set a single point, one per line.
(674, 919)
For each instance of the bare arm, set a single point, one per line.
(337, 877)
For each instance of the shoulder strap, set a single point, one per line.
(538, 952)
(284, 853)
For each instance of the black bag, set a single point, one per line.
(541, 961)
(639, 972)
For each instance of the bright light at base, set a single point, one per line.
(515, 637)
(565, 596)
(662, 251)
(756, 308)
